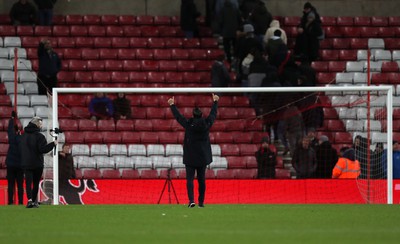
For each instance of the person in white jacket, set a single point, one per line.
(275, 25)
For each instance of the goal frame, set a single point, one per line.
(389, 107)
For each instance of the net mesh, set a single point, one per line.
(306, 133)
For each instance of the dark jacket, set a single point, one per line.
(277, 51)
(229, 20)
(45, 4)
(122, 107)
(304, 162)
(13, 158)
(49, 62)
(261, 19)
(101, 107)
(25, 14)
(65, 167)
(196, 145)
(32, 147)
(312, 32)
(189, 15)
(266, 162)
(219, 75)
(326, 160)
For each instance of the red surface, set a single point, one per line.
(233, 192)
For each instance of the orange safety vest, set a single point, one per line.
(346, 169)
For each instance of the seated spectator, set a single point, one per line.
(122, 107)
(23, 13)
(304, 160)
(219, 73)
(101, 107)
(266, 160)
(326, 158)
(275, 25)
(347, 167)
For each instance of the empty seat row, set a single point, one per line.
(348, 21)
(122, 53)
(357, 43)
(22, 64)
(114, 42)
(27, 88)
(22, 76)
(127, 150)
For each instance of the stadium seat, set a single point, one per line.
(72, 53)
(88, 53)
(91, 19)
(385, 32)
(162, 54)
(242, 137)
(282, 173)
(225, 174)
(235, 162)
(130, 174)
(125, 53)
(130, 137)
(245, 173)
(120, 42)
(345, 21)
(156, 113)
(332, 31)
(24, 30)
(376, 43)
(350, 31)
(131, 31)
(173, 43)
(149, 174)
(354, 66)
(43, 31)
(358, 43)
(68, 124)
(61, 30)
(247, 149)
(168, 31)
(119, 77)
(168, 137)
(112, 137)
(230, 150)
(82, 76)
(341, 43)
(362, 21)
(126, 20)
(138, 42)
(155, 42)
(110, 174)
(106, 125)
(320, 66)
(78, 30)
(74, 137)
(343, 138)
(11, 41)
(369, 32)
(291, 21)
(124, 125)
(222, 137)
(87, 125)
(336, 66)
(390, 67)
(145, 20)
(81, 42)
(96, 31)
(113, 65)
(344, 78)
(91, 173)
(164, 173)
(109, 19)
(191, 43)
(143, 125)
(348, 55)
(114, 31)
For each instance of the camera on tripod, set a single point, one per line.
(56, 131)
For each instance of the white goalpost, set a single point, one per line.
(364, 185)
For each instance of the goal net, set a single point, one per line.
(132, 143)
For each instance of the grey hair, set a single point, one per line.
(36, 120)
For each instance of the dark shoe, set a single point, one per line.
(35, 205)
(30, 204)
(201, 205)
(191, 205)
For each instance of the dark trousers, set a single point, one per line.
(228, 44)
(46, 83)
(45, 16)
(201, 179)
(32, 178)
(15, 174)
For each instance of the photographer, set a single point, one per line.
(32, 147)
(13, 162)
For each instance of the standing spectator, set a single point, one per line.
(122, 107)
(290, 129)
(276, 49)
(261, 19)
(247, 7)
(219, 73)
(23, 13)
(15, 173)
(32, 147)
(314, 142)
(219, 5)
(229, 24)
(49, 66)
(396, 161)
(376, 162)
(363, 154)
(275, 25)
(326, 158)
(196, 147)
(45, 11)
(347, 166)
(101, 107)
(304, 160)
(189, 15)
(266, 160)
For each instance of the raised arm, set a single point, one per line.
(178, 116)
(213, 113)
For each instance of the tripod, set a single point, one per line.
(168, 182)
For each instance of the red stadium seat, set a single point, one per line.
(119, 76)
(392, 44)
(131, 65)
(120, 42)
(142, 53)
(247, 149)
(379, 78)
(213, 54)
(82, 76)
(225, 174)
(321, 66)
(91, 173)
(345, 21)
(343, 138)
(113, 65)
(91, 19)
(74, 137)
(155, 42)
(129, 137)
(159, 123)
(173, 43)
(348, 55)
(390, 66)
(385, 32)
(235, 162)
(126, 53)
(334, 125)
(369, 32)
(179, 54)
(138, 42)
(394, 21)
(208, 43)
(328, 20)
(131, 31)
(394, 78)
(245, 173)
(163, 54)
(66, 42)
(64, 112)
(80, 112)
(110, 174)
(24, 30)
(73, 19)
(282, 173)
(102, 42)
(149, 65)
(332, 31)
(162, 20)
(241, 101)
(86, 124)
(78, 30)
(138, 77)
(172, 174)
(114, 31)
(127, 20)
(191, 43)
(149, 31)
(198, 54)
(84, 42)
(328, 55)
(92, 137)
(106, 125)
(101, 77)
(203, 65)
(147, 137)
(167, 65)
(144, 20)
(254, 125)
(326, 44)
(340, 43)
(96, 30)
(106, 53)
(61, 30)
(124, 125)
(337, 66)
(362, 21)
(88, 53)
(112, 137)
(43, 31)
(230, 150)
(130, 174)
(95, 65)
(168, 137)
(358, 43)
(291, 21)
(7, 30)
(149, 174)
(350, 31)
(143, 125)
(58, 20)
(109, 19)
(168, 31)
(68, 124)
(30, 41)
(330, 113)
(4, 101)
(223, 137)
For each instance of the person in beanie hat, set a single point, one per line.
(32, 147)
(266, 160)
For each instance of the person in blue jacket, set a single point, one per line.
(396, 161)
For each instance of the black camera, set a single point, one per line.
(57, 131)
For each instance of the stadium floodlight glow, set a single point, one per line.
(383, 90)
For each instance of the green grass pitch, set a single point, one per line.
(212, 224)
